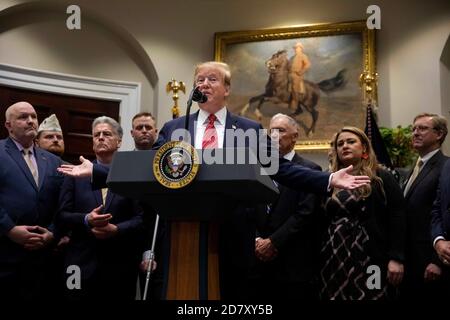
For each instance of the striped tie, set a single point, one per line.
(27, 155)
(210, 138)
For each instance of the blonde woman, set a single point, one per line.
(363, 249)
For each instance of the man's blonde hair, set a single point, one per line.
(221, 66)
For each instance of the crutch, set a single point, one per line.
(151, 258)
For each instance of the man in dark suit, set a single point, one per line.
(106, 241)
(29, 192)
(440, 217)
(440, 226)
(422, 265)
(213, 126)
(288, 236)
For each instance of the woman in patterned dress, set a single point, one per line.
(363, 249)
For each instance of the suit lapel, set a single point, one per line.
(446, 191)
(230, 124)
(41, 161)
(17, 156)
(97, 193)
(109, 199)
(283, 195)
(424, 172)
(193, 126)
(405, 182)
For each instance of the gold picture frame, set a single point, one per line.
(342, 57)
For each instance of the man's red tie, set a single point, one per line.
(210, 138)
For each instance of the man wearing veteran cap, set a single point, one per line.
(50, 136)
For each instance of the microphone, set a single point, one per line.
(197, 96)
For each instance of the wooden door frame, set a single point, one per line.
(128, 94)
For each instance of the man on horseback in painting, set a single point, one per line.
(298, 66)
(286, 85)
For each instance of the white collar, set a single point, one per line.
(221, 116)
(428, 156)
(21, 147)
(290, 155)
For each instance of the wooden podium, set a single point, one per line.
(194, 212)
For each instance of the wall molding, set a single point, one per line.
(128, 94)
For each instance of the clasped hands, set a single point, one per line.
(99, 223)
(31, 237)
(265, 250)
(442, 248)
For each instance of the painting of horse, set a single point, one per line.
(332, 97)
(278, 90)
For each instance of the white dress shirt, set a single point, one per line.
(428, 156)
(202, 122)
(290, 155)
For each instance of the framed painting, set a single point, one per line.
(311, 73)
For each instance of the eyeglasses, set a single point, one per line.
(422, 128)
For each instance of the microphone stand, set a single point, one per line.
(151, 259)
(197, 96)
(188, 109)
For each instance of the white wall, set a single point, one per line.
(178, 34)
(90, 52)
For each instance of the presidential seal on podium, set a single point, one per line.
(175, 164)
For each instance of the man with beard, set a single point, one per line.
(50, 136)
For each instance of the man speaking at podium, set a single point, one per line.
(208, 127)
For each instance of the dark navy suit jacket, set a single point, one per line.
(419, 201)
(292, 225)
(105, 263)
(440, 214)
(22, 202)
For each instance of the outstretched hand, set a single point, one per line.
(82, 170)
(343, 179)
